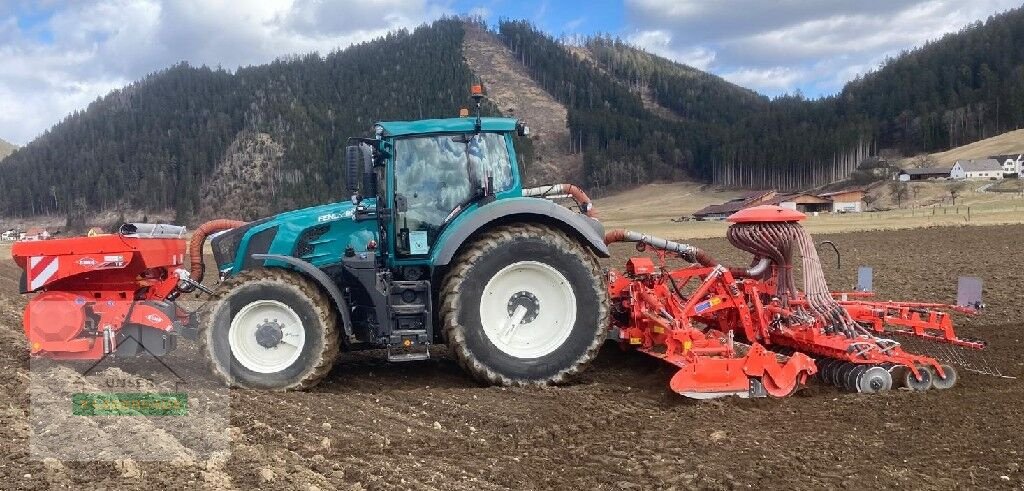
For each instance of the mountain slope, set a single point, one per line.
(720, 132)
(6, 149)
(514, 94)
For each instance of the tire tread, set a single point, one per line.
(450, 301)
(321, 305)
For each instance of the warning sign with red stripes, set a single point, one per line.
(40, 270)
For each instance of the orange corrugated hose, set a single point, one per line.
(573, 190)
(581, 198)
(195, 246)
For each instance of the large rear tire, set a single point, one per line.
(269, 329)
(524, 305)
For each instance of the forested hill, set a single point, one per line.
(184, 137)
(210, 142)
(637, 118)
(958, 89)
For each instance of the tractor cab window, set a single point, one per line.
(434, 175)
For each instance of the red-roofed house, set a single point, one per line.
(36, 233)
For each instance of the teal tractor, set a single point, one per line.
(439, 244)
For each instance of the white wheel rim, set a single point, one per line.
(250, 353)
(531, 332)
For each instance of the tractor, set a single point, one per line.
(440, 243)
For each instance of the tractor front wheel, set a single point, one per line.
(269, 329)
(524, 304)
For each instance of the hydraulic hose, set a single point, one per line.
(195, 246)
(577, 194)
(686, 251)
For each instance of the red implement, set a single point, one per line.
(95, 293)
(751, 331)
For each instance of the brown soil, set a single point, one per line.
(426, 425)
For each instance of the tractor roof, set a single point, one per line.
(448, 125)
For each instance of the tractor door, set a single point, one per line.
(436, 178)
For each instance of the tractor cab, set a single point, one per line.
(424, 174)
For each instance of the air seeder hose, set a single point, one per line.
(195, 246)
(778, 241)
(688, 252)
(577, 194)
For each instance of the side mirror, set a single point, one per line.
(359, 169)
(522, 129)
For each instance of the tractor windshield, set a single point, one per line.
(436, 174)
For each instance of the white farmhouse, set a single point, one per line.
(977, 169)
(1012, 164)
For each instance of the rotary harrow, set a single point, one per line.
(751, 332)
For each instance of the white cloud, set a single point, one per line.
(777, 78)
(481, 12)
(659, 42)
(811, 44)
(94, 46)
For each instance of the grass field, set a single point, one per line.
(1011, 142)
(652, 208)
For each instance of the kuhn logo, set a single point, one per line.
(155, 319)
(87, 262)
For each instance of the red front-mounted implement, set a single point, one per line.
(95, 295)
(751, 332)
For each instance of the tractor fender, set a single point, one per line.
(499, 211)
(320, 277)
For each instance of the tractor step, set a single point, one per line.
(407, 354)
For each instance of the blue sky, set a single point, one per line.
(57, 56)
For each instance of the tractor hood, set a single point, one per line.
(318, 235)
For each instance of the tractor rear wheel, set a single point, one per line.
(524, 304)
(269, 329)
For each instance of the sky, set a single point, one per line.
(58, 56)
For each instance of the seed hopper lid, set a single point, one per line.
(766, 213)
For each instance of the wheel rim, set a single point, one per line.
(528, 309)
(266, 336)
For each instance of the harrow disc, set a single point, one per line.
(825, 369)
(943, 383)
(853, 378)
(842, 373)
(918, 385)
(874, 379)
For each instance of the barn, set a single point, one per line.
(924, 173)
(804, 202)
(847, 200)
(753, 198)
